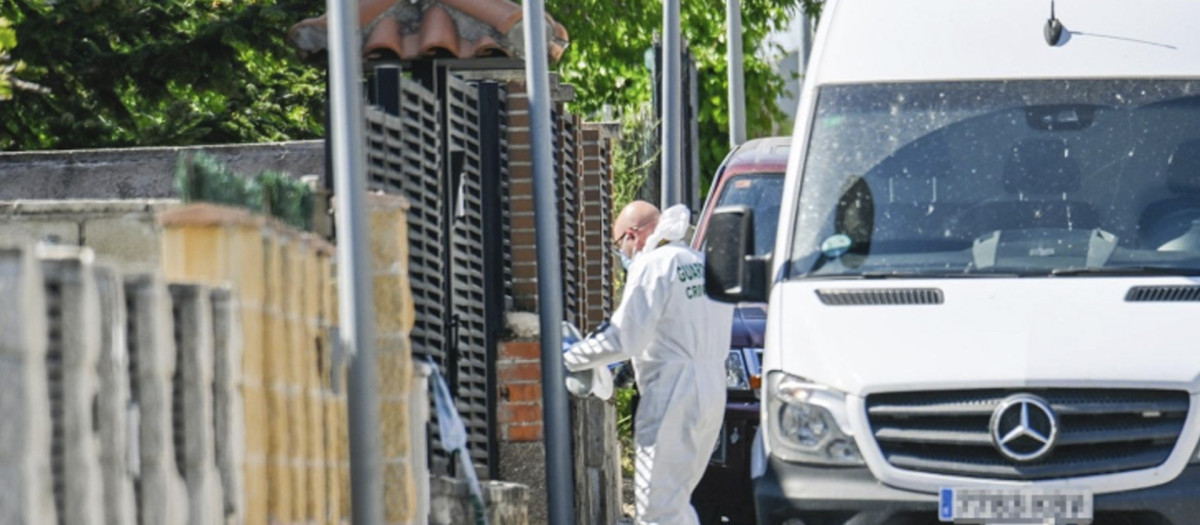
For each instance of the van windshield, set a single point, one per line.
(1034, 178)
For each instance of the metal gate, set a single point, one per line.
(425, 144)
(566, 161)
(468, 345)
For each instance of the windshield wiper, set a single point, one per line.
(1126, 270)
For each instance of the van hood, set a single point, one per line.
(988, 333)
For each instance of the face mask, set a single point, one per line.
(626, 261)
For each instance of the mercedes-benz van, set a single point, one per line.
(984, 293)
(752, 176)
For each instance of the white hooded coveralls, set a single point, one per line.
(678, 340)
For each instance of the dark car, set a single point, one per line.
(752, 175)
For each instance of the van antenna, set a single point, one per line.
(1054, 28)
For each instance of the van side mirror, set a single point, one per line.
(732, 273)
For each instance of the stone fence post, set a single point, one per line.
(193, 401)
(229, 412)
(26, 493)
(114, 405)
(158, 486)
(73, 337)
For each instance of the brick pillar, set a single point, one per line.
(159, 492)
(192, 402)
(26, 491)
(520, 165)
(73, 327)
(228, 409)
(519, 373)
(596, 220)
(114, 405)
(522, 452)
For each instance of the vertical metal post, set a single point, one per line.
(672, 100)
(737, 89)
(356, 303)
(806, 36)
(560, 487)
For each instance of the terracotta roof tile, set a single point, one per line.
(409, 29)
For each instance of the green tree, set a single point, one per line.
(606, 60)
(8, 40)
(167, 72)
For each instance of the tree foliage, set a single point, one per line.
(8, 40)
(606, 60)
(167, 72)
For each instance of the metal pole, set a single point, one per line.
(737, 89)
(560, 484)
(806, 34)
(672, 104)
(356, 303)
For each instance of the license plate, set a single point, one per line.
(1015, 506)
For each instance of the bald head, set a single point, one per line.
(634, 224)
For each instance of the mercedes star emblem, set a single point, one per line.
(1024, 428)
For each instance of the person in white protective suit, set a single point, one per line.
(678, 340)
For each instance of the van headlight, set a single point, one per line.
(802, 426)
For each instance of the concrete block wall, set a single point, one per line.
(114, 405)
(295, 458)
(229, 432)
(159, 489)
(123, 233)
(248, 252)
(193, 422)
(72, 312)
(26, 486)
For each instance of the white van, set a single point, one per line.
(984, 303)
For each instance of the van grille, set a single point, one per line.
(1161, 294)
(881, 297)
(1100, 432)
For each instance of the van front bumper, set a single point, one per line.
(852, 496)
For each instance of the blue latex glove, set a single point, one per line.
(570, 336)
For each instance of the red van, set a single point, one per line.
(752, 175)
